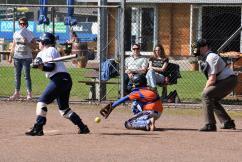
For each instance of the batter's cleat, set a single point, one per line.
(228, 125)
(35, 131)
(85, 130)
(209, 128)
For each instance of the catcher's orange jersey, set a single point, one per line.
(149, 99)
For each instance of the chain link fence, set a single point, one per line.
(173, 26)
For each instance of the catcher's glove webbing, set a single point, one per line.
(106, 110)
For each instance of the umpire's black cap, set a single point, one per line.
(197, 45)
(202, 43)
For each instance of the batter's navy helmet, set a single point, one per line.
(139, 80)
(47, 38)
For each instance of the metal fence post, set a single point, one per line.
(122, 50)
(101, 46)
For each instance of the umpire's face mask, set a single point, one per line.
(195, 49)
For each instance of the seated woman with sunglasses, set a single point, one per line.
(21, 52)
(157, 65)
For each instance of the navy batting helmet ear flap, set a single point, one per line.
(139, 80)
(47, 39)
(197, 45)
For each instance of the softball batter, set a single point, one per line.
(58, 88)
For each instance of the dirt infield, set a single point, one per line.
(176, 139)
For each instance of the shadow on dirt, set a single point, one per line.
(127, 134)
(189, 129)
(175, 129)
(231, 130)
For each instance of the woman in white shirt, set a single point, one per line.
(21, 52)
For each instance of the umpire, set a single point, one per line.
(221, 81)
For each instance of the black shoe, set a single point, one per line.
(85, 130)
(228, 125)
(35, 131)
(208, 128)
(128, 125)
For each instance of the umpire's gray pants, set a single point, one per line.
(211, 97)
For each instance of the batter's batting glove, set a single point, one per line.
(37, 62)
(105, 111)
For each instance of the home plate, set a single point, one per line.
(51, 131)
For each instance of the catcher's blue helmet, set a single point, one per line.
(47, 38)
(139, 80)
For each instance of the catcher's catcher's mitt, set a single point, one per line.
(106, 110)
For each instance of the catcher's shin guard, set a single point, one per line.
(37, 130)
(140, 122)
(137, 126)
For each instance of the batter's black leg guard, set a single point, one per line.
(75, 119)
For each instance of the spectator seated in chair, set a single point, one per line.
(134, 64)
(157, 66)
(161, 72)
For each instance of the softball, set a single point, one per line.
(97, 120)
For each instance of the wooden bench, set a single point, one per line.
(93, 75)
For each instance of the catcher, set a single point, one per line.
(148, 101)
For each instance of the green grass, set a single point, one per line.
(7, 81)
(189, 87)
(39, 82)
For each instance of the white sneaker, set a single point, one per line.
(14, 97)
(29, 96)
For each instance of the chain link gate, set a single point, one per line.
(87, 32)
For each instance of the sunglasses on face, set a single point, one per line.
(135, 48)
(21, 23)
